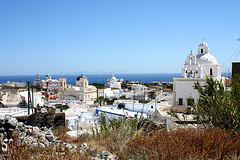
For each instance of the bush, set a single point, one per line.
(143, 101)
(23, 103)
(114, 133)
(218, 107)
(98, 85)
(63, 107)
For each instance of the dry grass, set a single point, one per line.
(184, 144)
(61, 134)
(180, 144)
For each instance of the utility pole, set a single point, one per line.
(32, 100)
(29, 97)
(133, 99)
(144, 98)
(155, 100)
(97, 98)
(47, 91)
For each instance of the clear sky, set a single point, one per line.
(113, 36)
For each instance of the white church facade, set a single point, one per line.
(82, 91)
(196, 68)
(113, 82)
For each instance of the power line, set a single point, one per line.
(232, 56)
(236, 56)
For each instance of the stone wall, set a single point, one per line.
(44, 117)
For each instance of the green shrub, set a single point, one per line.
(218, 107)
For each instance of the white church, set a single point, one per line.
(113, 82)
(82, 91)
(196, 68)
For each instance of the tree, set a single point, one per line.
(37, 87)
(143, 101)
(23, 103)
(98, 85)
(151, 95)
(101, 100)
(63, 107)
(218, 107)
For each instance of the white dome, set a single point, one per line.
(206, 59)
(113, 78)
(203, 44)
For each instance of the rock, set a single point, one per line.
(28, 131)
(1, 136)
(50, 137)
(41, 145)
(2, 130)
(36, 132)
(69, 146)
(10, 140)
(105, 154)
(112, 156)
(22, 135)
(148, 125)
(4, 147)
(92, 151)
(28, 127)
(34, 144)
(2, 121)
(21, 126)
(43, 140)
(11, 123)
(5, 140)
(10, 132)
(57, 142)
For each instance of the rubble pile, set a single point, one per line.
(149, 126)
(42, 137)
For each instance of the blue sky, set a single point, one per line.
(113, 36)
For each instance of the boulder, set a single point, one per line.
(21, 126)
(11, 123)
(50, 137)
(2, 121)
(2, 130)
(148, 125)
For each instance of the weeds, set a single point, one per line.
(120, 137)
(183, 144)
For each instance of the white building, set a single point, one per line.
(51, 84)
(113, 82)
(139, 88)
(81, 91)
(196, 68)
(112, 93)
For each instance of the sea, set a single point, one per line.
(97, 78)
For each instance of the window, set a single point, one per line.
(211, 72)
(201, 50)
(180, 101)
